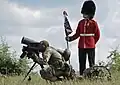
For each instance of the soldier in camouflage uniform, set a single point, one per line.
(54, 61)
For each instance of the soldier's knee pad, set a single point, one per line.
(47, 75)
(67, 69)
(46, 72)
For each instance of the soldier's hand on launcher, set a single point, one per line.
(38, 60)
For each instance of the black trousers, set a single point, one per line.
(82, 58)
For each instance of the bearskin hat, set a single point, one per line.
(88, 8)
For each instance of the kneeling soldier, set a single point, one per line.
(54, 61)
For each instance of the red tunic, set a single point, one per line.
(88, 32)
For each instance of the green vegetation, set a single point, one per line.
(36, 80)
(9, 64)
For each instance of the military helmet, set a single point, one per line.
(89, 8)
(43, 45)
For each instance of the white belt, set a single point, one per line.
(86, 34)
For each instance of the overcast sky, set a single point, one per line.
(43, 19)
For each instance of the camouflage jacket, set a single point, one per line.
(53, 57)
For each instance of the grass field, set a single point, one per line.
(36, 80)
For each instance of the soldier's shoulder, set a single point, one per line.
(49, 49)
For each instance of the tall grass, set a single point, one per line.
(36, 80)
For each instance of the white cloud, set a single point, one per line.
(19, 14)
(25, 13)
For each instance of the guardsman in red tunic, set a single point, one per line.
(88, 33)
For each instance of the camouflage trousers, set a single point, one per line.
(52, 74)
